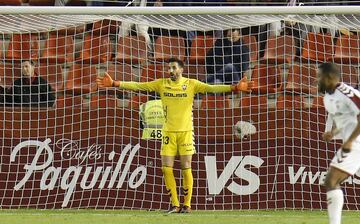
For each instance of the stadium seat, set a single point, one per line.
(253, 47)
(279, 50)
(302, 79)
(167, 47)
(121, 72)
(11, 2)
(347, 50)
(317, 102)
(81, 79)
(267, 79)
(153, 71)
(253, 101)
(68, 101)
(58, 49)
(102, 101)
(200, 45)
(290, 101)
(23, 46)
(42, 2)
(317, 48)
(70, 30)
(350, 75)
(137, 100)
(96, 49)
(52, 73)
(156, 71)
(105, 27)
(214, 102)
(131, 49)
(8, 73)
(195, 72)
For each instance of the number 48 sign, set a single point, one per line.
(156, 133)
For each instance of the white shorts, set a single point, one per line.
(347, 162)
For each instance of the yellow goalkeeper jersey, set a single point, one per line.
(177, 98)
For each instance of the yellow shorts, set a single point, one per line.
(177, 143)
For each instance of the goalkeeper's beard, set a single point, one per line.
(173, 77)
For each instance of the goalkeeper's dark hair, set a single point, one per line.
(32, 62)
(329, 69)
(180, 62)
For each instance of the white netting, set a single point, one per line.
(38, 23)
(87, 151)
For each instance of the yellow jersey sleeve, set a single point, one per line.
(200, 87)
(153, 86)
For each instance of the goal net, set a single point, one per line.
(86, 147)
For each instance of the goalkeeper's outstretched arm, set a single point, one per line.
(243, 85)
(107, 81)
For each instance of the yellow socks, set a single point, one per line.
(187, 185)
(171, 185)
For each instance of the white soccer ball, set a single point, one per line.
(243, 129)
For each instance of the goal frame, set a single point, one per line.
(235, 158)
(223, 10)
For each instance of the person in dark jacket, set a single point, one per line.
(2, 94)
(228, 59)
(30, 89)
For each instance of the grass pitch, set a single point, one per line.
(158, 217)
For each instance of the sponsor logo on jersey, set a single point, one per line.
(175, 94)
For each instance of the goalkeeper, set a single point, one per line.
(177, 96)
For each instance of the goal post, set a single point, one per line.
(261, 150)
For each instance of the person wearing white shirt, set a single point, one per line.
(342, 102)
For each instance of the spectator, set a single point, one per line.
(2, 93)
(152, 119)
(229, 58)
(30, 89)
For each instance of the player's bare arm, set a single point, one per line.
(346, 147)
(329, 135)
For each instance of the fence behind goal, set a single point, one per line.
(87, 150)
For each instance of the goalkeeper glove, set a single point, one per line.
(244, 85)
